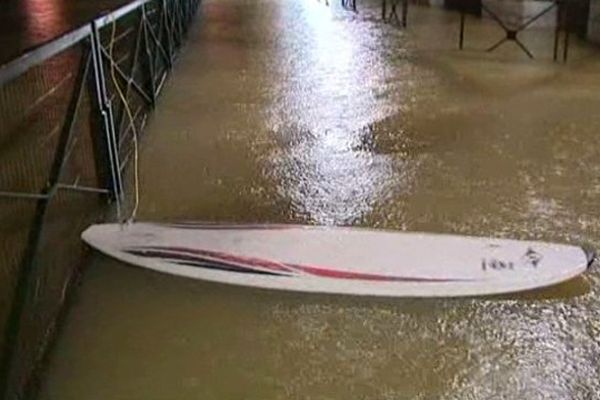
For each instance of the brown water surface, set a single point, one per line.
(289, 111)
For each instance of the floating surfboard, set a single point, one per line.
(340, 260)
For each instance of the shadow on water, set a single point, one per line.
(575, 287)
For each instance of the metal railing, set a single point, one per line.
(511, 32)
(65, 141)
(561, 32)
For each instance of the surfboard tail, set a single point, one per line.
(590, 254)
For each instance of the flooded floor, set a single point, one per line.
(290, 111)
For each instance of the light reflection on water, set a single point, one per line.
(43, 19)
(327, 111)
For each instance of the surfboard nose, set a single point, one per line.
(99, 233)
(88, 234)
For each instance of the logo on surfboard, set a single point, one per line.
(532, 257)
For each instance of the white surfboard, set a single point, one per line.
(340, 260)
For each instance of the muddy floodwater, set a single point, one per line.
(292, 111)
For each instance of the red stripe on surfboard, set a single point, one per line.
(244, 261)
(250, 262)
(332, 273)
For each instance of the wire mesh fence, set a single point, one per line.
(65, 141)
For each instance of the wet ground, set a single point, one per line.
(289, 111)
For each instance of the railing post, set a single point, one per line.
(106, 142)
(461, 35)
(148, 59)
(168, 31)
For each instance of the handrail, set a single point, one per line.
(40, 53)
